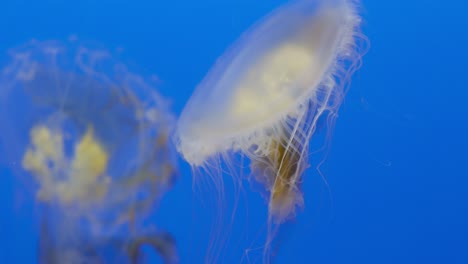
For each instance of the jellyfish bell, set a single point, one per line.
(90, 136)
(263, 98)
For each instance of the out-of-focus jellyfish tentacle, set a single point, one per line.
(163, 243)
(92, 138)
(265, 96)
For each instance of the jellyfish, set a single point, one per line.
(89, 138)
(264, 98)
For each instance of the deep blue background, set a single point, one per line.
(397, 168)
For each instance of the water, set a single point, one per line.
(396, 183)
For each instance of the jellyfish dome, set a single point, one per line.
(264, 96)
(88, 137)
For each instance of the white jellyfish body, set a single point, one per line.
(263, 99)
(91, 137)
(264, 96)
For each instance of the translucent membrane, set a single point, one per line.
(262, 99)
(90, 138)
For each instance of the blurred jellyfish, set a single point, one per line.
(264, 97)
(91, 138)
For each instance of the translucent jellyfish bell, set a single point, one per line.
(90, 137)
(264, 96)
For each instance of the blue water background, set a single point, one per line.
(397, 168)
